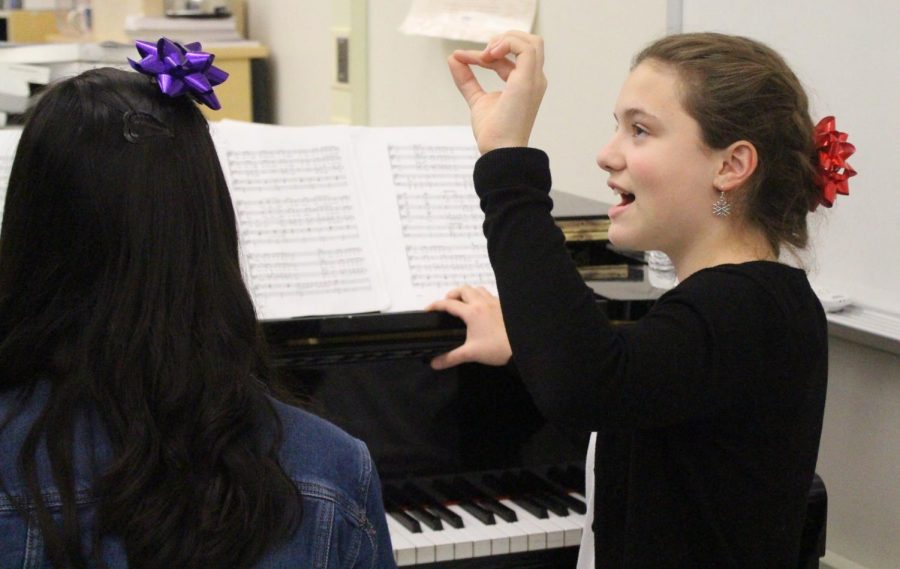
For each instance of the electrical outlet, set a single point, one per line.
(343, 60)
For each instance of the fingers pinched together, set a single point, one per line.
(503, 118)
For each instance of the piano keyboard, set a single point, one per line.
(477, 515)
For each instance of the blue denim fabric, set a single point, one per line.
(343, 516)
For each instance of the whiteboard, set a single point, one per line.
(847, 54)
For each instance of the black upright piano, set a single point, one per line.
(473, 477)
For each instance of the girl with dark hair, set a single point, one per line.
(137, 422)
(708, 411)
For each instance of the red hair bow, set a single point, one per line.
(834, 171)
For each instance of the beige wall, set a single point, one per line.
(859, 459)
(297, 33)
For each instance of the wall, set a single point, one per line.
(298, 35)
(588, 49)
(859, 459)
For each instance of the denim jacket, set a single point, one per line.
(343, 524)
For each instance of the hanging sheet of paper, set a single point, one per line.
(468, 20)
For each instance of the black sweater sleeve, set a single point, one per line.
(677, 364)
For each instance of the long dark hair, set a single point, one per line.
(120, 287)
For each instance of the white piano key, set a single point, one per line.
(481, 542)
(463, 541)
(553, 535)
(534, 537)
(537, 536)
(570, 526)
(518, 537)
(424, 547)
(404, 550)
(498, 539)
(443, 544)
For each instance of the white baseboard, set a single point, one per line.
(835, 561)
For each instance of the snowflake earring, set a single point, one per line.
(721, 208)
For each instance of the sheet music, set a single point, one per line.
(427, 206)
(305, 243)
(471, 20)
(9, 138)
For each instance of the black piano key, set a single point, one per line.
(530, 506)
(515, 496)
(558, 497)
(548, 502)
(466, 496)
(426, 518)
(448, 516)
(573, 503)
(484, 500)
(532, 492)
(410, 524)
(431, 504)
(501, 511)
(465, 500)
(395, 499)
(578, 504)
(479, 513)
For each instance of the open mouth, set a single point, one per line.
(626, 197)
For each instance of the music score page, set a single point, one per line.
(341, 220)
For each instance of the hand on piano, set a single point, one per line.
(486, 340)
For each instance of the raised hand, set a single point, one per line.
(503, 118)
(486, 340)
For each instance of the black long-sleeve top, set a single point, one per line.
(708, 410)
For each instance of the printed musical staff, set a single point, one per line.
(299, 223)
(440, 217)
(449, 265)
(286, 169)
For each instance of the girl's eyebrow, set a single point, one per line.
(632, 112)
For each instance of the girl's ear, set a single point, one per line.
(739, 162)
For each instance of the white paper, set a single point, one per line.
(428, 217)
(9, 139)
(408, 227)
(306, 244)
(470, 20)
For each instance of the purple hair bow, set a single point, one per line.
(180, 69)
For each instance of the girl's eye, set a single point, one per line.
(638, 130)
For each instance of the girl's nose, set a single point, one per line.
(609, 158)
